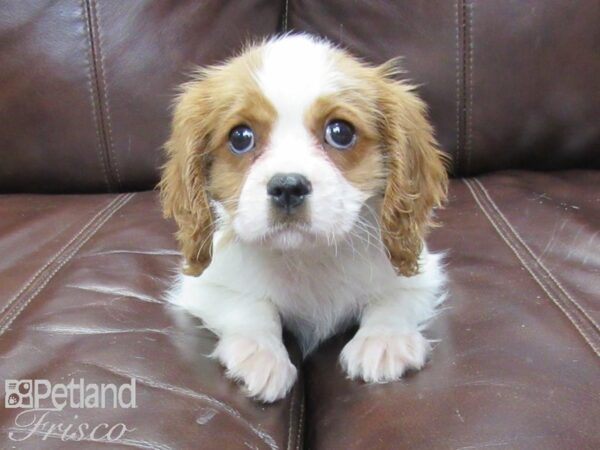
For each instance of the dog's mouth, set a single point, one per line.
(289, 235)
(289, 227)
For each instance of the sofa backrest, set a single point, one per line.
(510, 83)
(85, 86)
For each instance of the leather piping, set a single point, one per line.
(296, 417)
(301, 413)
(51, 260)
(93, 91)
(283, 22)
(112, 157)
(39, 281)
(464, 84)
(100, 96)
(581, 320)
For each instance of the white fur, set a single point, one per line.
(292, 89)
(248, 291)
(317, 277)
(295, 71)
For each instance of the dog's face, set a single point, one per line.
(285, 144)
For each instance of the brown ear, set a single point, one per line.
(183, 183)
(416, 172)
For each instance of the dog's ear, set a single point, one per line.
(416, 171)
(183, 183)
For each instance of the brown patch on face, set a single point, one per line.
(362, 164)
(228, 170)
(395, 154)
(417, 178)
(200, 165)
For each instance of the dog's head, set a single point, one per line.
(284, 144)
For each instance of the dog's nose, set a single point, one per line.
(288, 190)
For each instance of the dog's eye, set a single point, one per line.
(340, 134)
(241, 139)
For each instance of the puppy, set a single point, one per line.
(302, 181)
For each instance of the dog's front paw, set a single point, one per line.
(379, 355)
(262, 365)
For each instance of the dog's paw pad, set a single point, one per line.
(379, 356)
(262, 365)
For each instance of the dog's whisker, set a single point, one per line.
(306, 239)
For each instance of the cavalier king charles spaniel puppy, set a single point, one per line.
(302, 181)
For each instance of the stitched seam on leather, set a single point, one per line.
(532, 273)
(579, 322)
(299, 437)
(99, 92)
(109, 134)
(458, 85)
(107, 213)
(505, 236)
(94, 108)
(464, 68)
(56, 255)
(536, 258)
(546, 275)
(469, 49)
(291, 416)
(7, 320)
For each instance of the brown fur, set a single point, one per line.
(396, 155)
(199, 163)
(417, 179)
(362, 165)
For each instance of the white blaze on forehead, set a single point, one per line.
(295, 71)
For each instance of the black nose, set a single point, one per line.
(288, 190)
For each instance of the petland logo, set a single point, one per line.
(36, 393)
(43, 404)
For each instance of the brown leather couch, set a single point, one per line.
(514, 90)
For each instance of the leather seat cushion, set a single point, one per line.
(516, 365)
(82, 283)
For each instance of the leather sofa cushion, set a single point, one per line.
(516, 364)
(81, 282)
